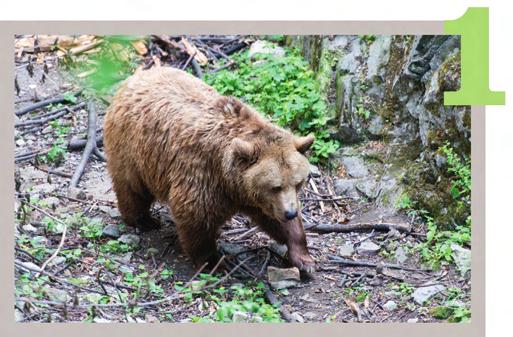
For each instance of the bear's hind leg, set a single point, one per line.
(134, 206)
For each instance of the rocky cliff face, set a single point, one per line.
(385, 95)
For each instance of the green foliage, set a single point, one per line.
(460, 169)
(368, 39)
(102, 71)
(454, 313)
(283, 88)
(92, 229)
(57, 153)
(248, 299)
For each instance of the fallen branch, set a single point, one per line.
(197, 69)
(79, 144)
(90, 145)
(271, 298)
(42, 104)
(49, 117)
(338, 228)
(352, 263)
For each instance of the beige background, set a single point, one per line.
(11, 329)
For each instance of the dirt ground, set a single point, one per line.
(380, 289)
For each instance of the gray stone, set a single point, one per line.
(297, 317)
(278, 248)
(52, 202)
(440, 160)
(390, 306)
(400, 255)
(281, 278)
(265, 47)
(310, 315)
(20, 142)
(368, 248)
(412, 320)
(314, 171)
(29, 228)
(368, 187)
(345, 188)
(18, 316)
(77, 193)
(45, 188)
(346, 250)
(57, 295)
(130, 239)
(462, 258)
(379, 54)
(111, 231)
(101, 320)
(376, 126)
(57, 261)
(111, 211)
(355, 167)
(423, 294)
(350, 62)
(239, 316)
(47, 130)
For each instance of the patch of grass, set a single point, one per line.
(283, 88)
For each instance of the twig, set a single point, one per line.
(314, 187)
(197, 69)
(271, 298)
(346, 228)
(246, 234)
(79, 144)
(61, 243)
(339, 260)
(49, 117)
(90, 146)
(41, 104)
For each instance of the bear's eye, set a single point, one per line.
(276, 189)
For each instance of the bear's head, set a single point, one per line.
(267, 162)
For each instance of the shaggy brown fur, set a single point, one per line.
(170, 137)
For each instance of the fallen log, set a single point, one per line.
(357, 227)
(338, 260)
(42, 104)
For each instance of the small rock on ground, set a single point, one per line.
(390, 306)
(281, 278)
(355, 167)
(130, 239)
(265, 47)
(422, 294)
(400, 255)
(462, 258)
(346, 250)
(368, 248)
(111, 231)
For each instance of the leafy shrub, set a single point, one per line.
(283, 88)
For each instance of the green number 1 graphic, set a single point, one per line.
(474, 90)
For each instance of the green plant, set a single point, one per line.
(460, 169)
(57, 153)
(92, 230)
(283, 88)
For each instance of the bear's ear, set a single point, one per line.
(242, 149)
(231, 106)
(302, 144)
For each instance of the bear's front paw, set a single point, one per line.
(303, 262)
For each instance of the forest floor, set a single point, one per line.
(76, 261)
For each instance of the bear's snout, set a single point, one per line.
(290, 214)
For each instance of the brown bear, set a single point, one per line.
(170, 137)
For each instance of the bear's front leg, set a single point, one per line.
(290, 233)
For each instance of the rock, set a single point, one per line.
(440, 161)
(20, 142)
(239, 316)
(57, 295)
(412, 320)
(100, 320)
(151, 319)
(350, 62)
(111, 211)
(390, 306)
(52, 202)
(57, 261)
(307, 298)
(368, 248)
(346, 250)
(31, 266)
(257, 319)
(355, 167)
(265, 47)
(130, 239)
(111, 231)
(29, 228)
(281, 278)
(345, 188)
(18, 316)
(77, 193)
(297, 317)
(379, 54)
(368, 187)
(423, 294)
(462, 258)
(152, 251)
(47, 130)
(45, 188)
(400, 255)
(376, 127)
(314, 171)
(310, 315)
(278, 248)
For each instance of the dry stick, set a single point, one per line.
(61, 243)
(246, 234)
(41, 104)
(197, 69)
(189, 60)
(314, 187)
(336, 228)
(79, 144)
(90, 146)
(271, 298)
(339, 260)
